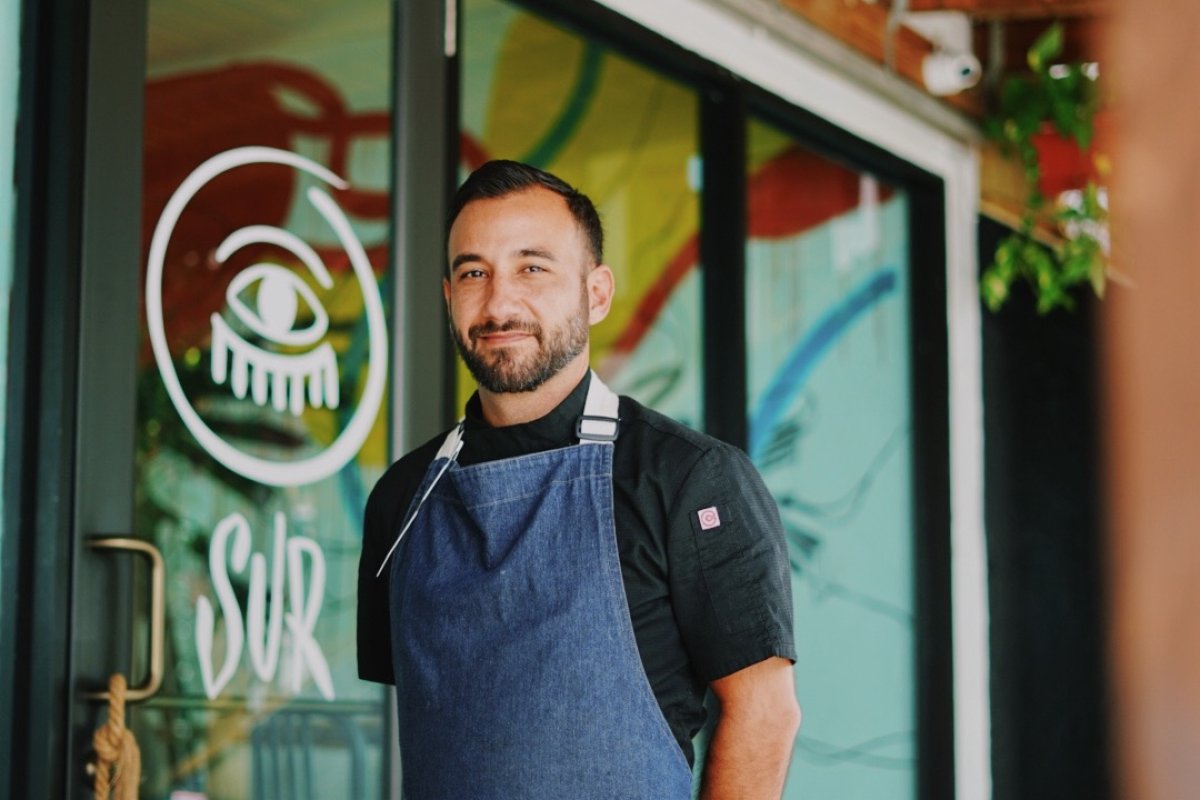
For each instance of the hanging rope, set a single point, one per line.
(118, 760)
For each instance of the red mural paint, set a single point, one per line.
(472, 152)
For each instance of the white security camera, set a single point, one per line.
(946, 73)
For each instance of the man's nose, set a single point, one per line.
(503, 298)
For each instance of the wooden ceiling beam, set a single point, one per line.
(863, 26)
(1015, 9)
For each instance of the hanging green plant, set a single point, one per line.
(1055, 100)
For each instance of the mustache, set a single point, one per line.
(508, 326)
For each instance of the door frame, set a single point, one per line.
(39, 513)
(74, 327)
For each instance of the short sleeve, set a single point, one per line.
(374, 617)
(730, 579)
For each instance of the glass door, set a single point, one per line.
(258, 399)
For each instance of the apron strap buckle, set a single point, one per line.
(596, 429)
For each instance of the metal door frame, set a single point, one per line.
(39, 512)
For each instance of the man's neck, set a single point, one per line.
(514, 408)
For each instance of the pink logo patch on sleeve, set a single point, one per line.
(709, 518)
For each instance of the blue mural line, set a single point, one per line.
(819, 339)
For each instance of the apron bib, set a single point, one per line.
(517, 672)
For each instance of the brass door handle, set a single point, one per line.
(157, 612)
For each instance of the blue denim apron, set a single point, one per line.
(517, 672)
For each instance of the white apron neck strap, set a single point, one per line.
(452, 444)
(600, 419)
(451, 447)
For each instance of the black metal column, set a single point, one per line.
(723, 260)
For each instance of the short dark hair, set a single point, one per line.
(501, 178)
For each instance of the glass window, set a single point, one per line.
(10, 34)
(830, 429)
(625, 135)
(261, 388)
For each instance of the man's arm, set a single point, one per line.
(752, 743)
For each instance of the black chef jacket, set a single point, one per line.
(704, 601)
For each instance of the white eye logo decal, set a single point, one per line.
(278, 292)
(288, 381)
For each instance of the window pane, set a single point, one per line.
(262, 377)
(10, 35)
(627, 137)
(830, 429)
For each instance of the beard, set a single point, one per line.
(505, 370)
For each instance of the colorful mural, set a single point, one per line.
(262, 388)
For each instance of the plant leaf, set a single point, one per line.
(1047, 48)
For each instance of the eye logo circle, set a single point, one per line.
(275, 314)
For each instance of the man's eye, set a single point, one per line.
(534, 268)
(470, 273)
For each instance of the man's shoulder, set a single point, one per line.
(673, 440)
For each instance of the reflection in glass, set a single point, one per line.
(536, 92)
(260, 389)
(10, 29)
(830, 429)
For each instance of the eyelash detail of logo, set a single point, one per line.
(255, 368)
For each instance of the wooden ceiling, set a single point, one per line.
(1010, 25)
(1014, 9)
(1016, 24)
(1020, 22)
(1081, 39)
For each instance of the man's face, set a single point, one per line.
(522, 291)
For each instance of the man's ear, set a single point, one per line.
(446, 292)
(600, 288)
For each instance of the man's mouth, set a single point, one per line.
(497, 339)
(509, 333)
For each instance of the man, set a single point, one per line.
(555, 583)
